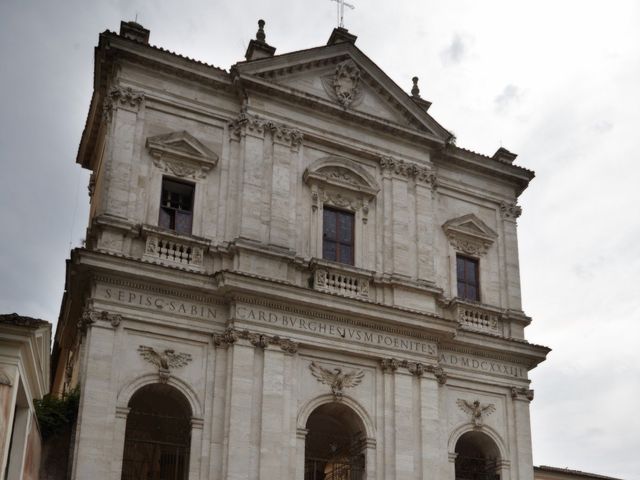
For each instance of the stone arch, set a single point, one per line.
(478, 453)
(488, 431)
(309, 407)
(127, 391)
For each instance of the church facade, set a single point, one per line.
(290, 271)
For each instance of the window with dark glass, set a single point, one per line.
(176, 206)
(337, 236)
(468, 278)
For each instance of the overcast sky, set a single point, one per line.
(555, 81)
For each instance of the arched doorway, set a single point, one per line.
(335, 444)
(477, 457)
(158, 435)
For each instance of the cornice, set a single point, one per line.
(319, 104)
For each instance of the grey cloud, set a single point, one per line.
(507, 97)
(455, 51)
(602, 126)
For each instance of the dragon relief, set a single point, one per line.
(336, 379)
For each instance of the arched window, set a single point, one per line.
(478, 457)
(335, 444)
(158, 435)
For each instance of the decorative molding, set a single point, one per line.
(181, 154)
(336, 379)
(477, 411)
(5, 379)
(419, 173)
(164, 360)
(118, 97)
(390, 365)
(510, 211)
(255, 125)
(470, 235)
(91, 316)
(517, 393)
(345, 85)
(258, 340)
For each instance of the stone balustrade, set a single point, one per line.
(341, 282)
(477, 317)
(172, 250)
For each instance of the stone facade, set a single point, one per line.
(243, 316)
(25, 344)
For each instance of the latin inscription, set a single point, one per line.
(483, 365)
(165, 304)
(328, 329)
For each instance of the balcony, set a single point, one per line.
(477, 317)
(173, 250)
(338, 279)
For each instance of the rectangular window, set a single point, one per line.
(176, 206)
(468, 276)
(337, 236)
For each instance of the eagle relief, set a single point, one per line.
(476, 410)
(336, 379)
(164, 360)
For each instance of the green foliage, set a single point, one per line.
(57, 413)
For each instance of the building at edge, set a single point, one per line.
(291, 272)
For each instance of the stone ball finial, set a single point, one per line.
(260, 36)
(415, 91)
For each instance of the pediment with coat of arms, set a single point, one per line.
(341, 77)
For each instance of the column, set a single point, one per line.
(119, 431)
(512, 268)
(435, 464)
(389, 367)
(239, 410)
(404, 426)
(121, 110)
(425, 226)
(522, 464)
(273, 436)
(96, 413)
(251, 134)
(285, 145)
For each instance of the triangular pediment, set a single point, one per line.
(470, 235)
(471, 225)
(181, 144)
(342, 77)
(181, 154)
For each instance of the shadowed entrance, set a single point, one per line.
(478, 457)
(158, 435)
(335, 444)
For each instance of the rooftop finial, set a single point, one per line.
(415, 91)
(260, 36)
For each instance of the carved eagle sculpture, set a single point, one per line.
(166, 359)
(336, 379)
(476, 410)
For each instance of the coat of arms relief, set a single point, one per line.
(345, 85)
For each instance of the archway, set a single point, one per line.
(335, 444)
(158, 435)
(477, 457)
